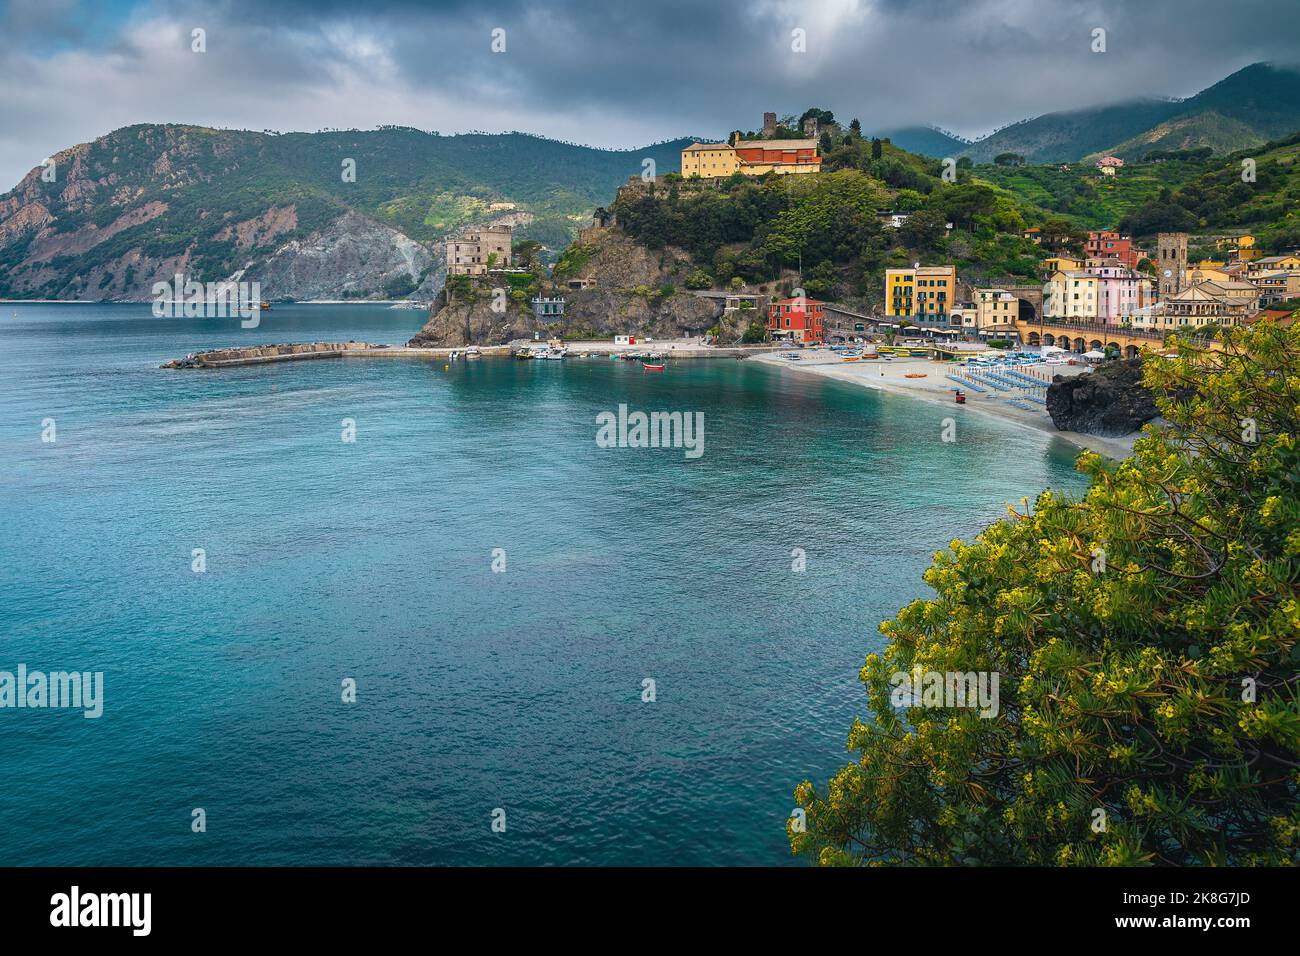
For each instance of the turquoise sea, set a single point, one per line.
(372, 560)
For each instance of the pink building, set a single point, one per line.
(1120, 290)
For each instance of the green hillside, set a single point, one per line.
(1258, 103)
(1210, 130)
(422, 184)
(755, 230)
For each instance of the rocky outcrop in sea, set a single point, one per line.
(1109, 401)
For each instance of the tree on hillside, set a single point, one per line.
(855, 127)
(1061, 235)
(1146, 641)
(923, 230)
(876, 148)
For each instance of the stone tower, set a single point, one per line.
(810, 127)
(769, 124)
(1171, 263)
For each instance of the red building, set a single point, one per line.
(778, 152)
(1111, 245)
(799, 320)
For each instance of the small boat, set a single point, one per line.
(264, 306)
(473, 352)
(915, 375)
(652, 368)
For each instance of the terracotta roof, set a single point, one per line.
(778, 143)
(695, 146)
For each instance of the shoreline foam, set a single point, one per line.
(937, 389)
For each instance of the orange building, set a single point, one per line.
(799, 320)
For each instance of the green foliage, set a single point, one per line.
(754, 332)
(699, 279)
(1125, 687)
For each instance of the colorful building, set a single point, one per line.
(753, 157)
(1120, 290)
(1242, 247)
(1285, 263)
(1277, 286)
(995, 308)
(1071, 295)
(709, 160)
(1203, 303)
(799, 320)
(1060, 263)
(1111, 245)
(922, 294)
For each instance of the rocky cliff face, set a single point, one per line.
(627, 298)
(353, 255)
(1109, 401)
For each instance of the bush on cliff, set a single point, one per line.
(1145, 637)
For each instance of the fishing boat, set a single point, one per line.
(264, 306)
(473, 352)
(652, 368)
(915, 375)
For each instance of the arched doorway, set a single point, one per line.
(1095, 345)
(1033, 338)
(1049, 339)
(1027, 311)
(1130, 351)
(1080, 345)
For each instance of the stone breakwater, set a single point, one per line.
(255, 354)
(264, 354)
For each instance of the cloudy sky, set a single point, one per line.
(618, 73)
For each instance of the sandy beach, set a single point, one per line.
(890, 376)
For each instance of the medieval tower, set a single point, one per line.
(1171, 263)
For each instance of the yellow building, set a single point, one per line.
(707, 160)
(995, 307)
(1060, 264)
(753, 157)
(926, 293)
(1274, 264)
(1214, 271)
(1071, 295)
(1242, 246)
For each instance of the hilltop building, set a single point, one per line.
(922, 293)
(479, 250)
(1109, 165)
(752, 157)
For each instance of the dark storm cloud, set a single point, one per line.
(608, 73)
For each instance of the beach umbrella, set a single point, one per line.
(1094, 354)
